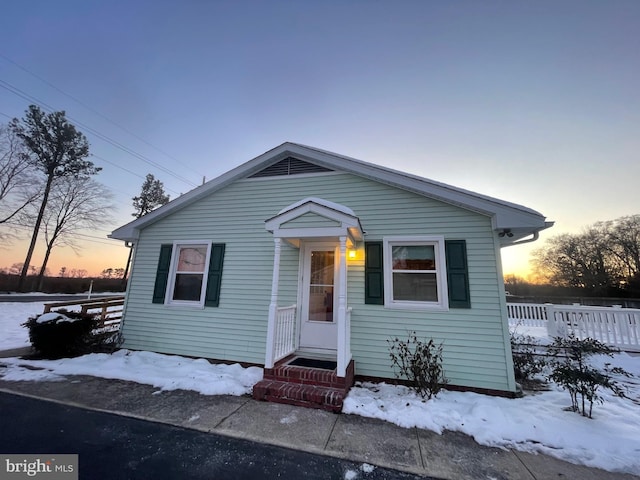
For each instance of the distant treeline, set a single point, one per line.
(521, 291)
(9, 283)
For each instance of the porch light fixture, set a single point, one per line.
(352, 254)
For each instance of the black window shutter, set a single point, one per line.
(162, 275)
(457, 274)
(373, 274)
(214, 280)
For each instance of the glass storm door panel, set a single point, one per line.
(318, 327)
(321, 286)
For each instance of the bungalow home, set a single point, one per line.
(308, 262)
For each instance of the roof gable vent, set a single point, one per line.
(290, 166)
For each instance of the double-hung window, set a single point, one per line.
(415, 272)
(189, 273)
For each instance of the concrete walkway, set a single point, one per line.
(449, 456)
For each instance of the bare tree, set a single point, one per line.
(606, 255)
(56, 149)
(571, 261)
(73, 206)
(112, 272)
(16, 268)
(20, 186)
(78, 273)
(623, 242)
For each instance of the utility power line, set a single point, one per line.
(16, 91)
(128, 171)
(90, 238)
(98, 113)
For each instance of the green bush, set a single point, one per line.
(67, 334)
(420, 363)
(571, 370)
(527, 361)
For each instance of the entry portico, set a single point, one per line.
(322, 231)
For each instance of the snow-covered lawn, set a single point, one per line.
(535, 423)
(12, 316)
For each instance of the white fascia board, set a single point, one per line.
(346, 220)
(503, 214)
(319, 201)
(130, 231)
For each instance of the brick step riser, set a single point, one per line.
(310, 376)
(335, 382)
(295, 394)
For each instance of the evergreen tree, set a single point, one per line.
(151, 196)
(57, 150)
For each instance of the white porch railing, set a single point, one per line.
(615, 326)
(528, 314)
(284, 342)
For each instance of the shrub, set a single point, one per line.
(571, 371)
(527, 362)
(67, 334)
(420, 363)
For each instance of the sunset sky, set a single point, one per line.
(537, 103)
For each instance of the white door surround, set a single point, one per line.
(337, 227)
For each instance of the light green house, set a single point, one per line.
(303, 253)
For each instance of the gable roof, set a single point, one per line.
(513, 221)
(345, 221)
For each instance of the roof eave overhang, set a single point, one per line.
(345, 224)
(504, 215)
(517, 236)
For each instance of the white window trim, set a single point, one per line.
(441, 272)
(168, 299)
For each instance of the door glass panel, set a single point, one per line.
(321, 286)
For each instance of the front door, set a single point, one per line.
(318, 312)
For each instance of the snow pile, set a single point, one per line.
(166, 372)
(354, 474)
(55, 317)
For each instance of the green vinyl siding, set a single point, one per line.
(476, 351)
(310, 220)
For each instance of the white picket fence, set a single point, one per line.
(615, 326)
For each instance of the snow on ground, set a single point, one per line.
(167, 372)
(535, 423)
(538, 333)
(12, 316)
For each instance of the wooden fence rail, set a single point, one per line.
(108, 309)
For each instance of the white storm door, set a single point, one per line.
(318, 313)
